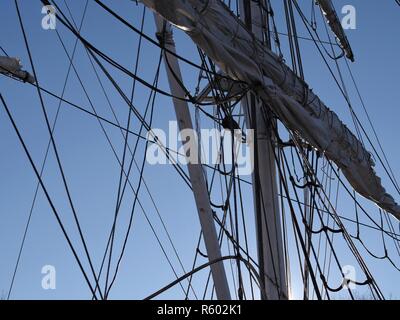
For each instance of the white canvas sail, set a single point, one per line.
(215, 29)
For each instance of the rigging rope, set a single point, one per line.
(54, 144)
(53, 208)
(45, 159)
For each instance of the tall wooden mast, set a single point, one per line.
(267, 211)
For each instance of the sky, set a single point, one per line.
(92, 170)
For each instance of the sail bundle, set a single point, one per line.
(222, 36)
(12, 67)
(334, 22)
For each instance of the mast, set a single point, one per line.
(267, 211)
(196, 174)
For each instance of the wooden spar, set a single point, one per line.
(196, 174)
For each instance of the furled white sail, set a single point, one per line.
(13, 67)
(336, 27)
(214, 28)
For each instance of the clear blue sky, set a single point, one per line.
(93, 172)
